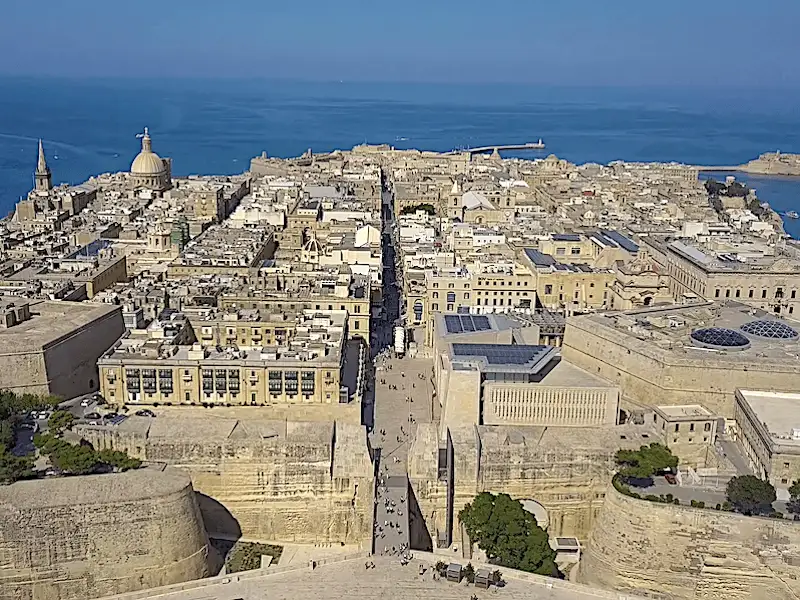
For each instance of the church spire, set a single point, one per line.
(43, 177)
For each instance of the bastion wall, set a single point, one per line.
(85, 537)
(650, 376)
(308, 483)
(675, 552)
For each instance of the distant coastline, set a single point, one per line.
(770, 163)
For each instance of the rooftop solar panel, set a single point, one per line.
(566, 237)
(621, 240)
(481, 323)
(538, 258)
(453, 324)
(499, 354)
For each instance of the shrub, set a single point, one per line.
(469, 573)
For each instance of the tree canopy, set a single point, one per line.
(13, 468)
(509, 534)
(750, 495)
(643, 463)
(81, 459)
(410, 210)
(793, 505)
(60, 420)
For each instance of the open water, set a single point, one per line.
(216, 126)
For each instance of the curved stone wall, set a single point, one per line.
(672, 552)
(85, 537)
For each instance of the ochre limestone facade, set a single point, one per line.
(675, 552)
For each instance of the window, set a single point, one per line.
(575, 251)
(784, 480)
(738, 293)
(794, 293)
(451, 296)
(356, 325)
(436, 285)
(750, 294)
(677, 426)
(716, 293)
(785, 465)
(435, 306)
(450, 285)
(466, 295)
(707, 427)
(449, 307)
(591, 285)
(763, 293)
(561, 251)
(691, 426)
(435, 294)
(728, 293)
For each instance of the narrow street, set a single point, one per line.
(403, 397)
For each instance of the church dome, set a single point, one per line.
(147, 162)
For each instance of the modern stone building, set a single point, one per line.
(686, 354)
(53, 347)
(489, 370)
(72, 538)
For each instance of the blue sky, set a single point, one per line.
(589, 42)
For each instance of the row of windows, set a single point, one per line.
(502, 282)
(751, 293)
(451, 296)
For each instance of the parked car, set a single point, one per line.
(110, 415)
(93, 416)
(671, 479)
(86, 402)
(145, 413)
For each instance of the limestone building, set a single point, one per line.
(767, 431)
(308, 368)
(686, 354)
(53, 347)
(754, 275)
(149, 170)
(487, 371)
(689, 431)
(72, 538)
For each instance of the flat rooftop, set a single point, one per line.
(734, 332)
(778, 411)
(504, 357)
(49, 322)
(684, 411)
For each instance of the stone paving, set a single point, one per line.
(403, 389)
(387, 580)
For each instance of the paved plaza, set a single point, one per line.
(387, 580)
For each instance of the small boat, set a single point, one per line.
(792, 214)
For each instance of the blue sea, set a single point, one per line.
(216, 126)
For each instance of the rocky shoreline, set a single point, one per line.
(774, 163)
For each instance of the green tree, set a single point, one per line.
(13, 468)
(643, 463)
(793, 506)
(508, 534)
(469, 573)
(76, 459)
(60, 420)
(119, 460)
(750, 495)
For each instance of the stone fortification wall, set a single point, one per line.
(651, 376)
(673, 552)
(566, 469)
(85, 537)
(264, 480)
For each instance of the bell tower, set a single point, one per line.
(43, 177)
